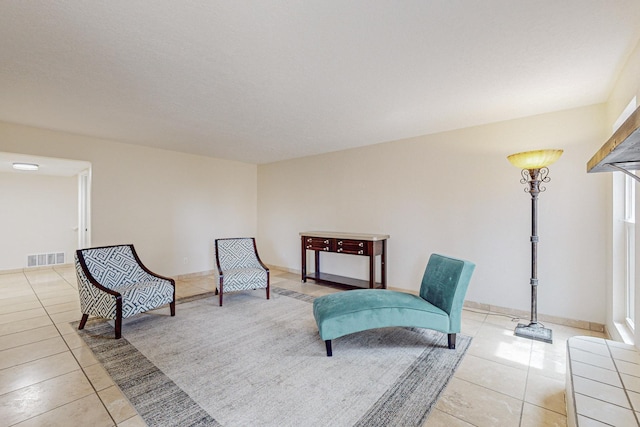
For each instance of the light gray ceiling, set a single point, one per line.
(261, 81)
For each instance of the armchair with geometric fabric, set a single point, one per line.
(239, 266)
(114, 284)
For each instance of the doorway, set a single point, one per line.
(45, 211)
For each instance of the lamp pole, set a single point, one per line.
(534, 330)
(534, 173)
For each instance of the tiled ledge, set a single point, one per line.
(603, 383)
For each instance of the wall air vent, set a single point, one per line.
(38, 260)
(32, 260)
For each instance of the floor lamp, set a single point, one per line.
(534, 171)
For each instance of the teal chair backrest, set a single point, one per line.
(445, 284)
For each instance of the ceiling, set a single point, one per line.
(262, 81)
(47, 165)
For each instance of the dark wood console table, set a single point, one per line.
(369, 245)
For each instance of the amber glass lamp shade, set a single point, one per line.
(534, 159)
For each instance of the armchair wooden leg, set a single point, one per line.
(328, 345)
(118, 327)
(172, 306)
(118, 317)
(83, 321)
(452, 341)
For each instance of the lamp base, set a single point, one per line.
(534, 331)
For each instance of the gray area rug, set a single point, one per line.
(258, 362)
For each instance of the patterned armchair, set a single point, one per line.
(114, 284)
(239, 266)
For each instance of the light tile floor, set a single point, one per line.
(48, 376)
(605, 382)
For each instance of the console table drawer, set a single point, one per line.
(318, 244)
(355, 247)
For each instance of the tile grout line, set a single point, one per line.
(72, 354)
(619, 376)
(522, 400)
(528, 369)
(626, 393)
(526, 387)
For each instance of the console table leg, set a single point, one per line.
(383, 265)
(372, 269)
(303, 265)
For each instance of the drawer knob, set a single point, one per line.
(308, 246)
(340, 250)
(361, 244)
(325, 249)
(360, 252)
(340, 242)
(326, 242)
(309, 239)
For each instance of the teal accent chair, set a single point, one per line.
(437, 307)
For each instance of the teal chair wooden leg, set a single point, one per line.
(452, 341)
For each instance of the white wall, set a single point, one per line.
(38, 214)
(170, 205)
(626, 86)
(455, 193)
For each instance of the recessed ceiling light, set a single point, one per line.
(26, 166)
